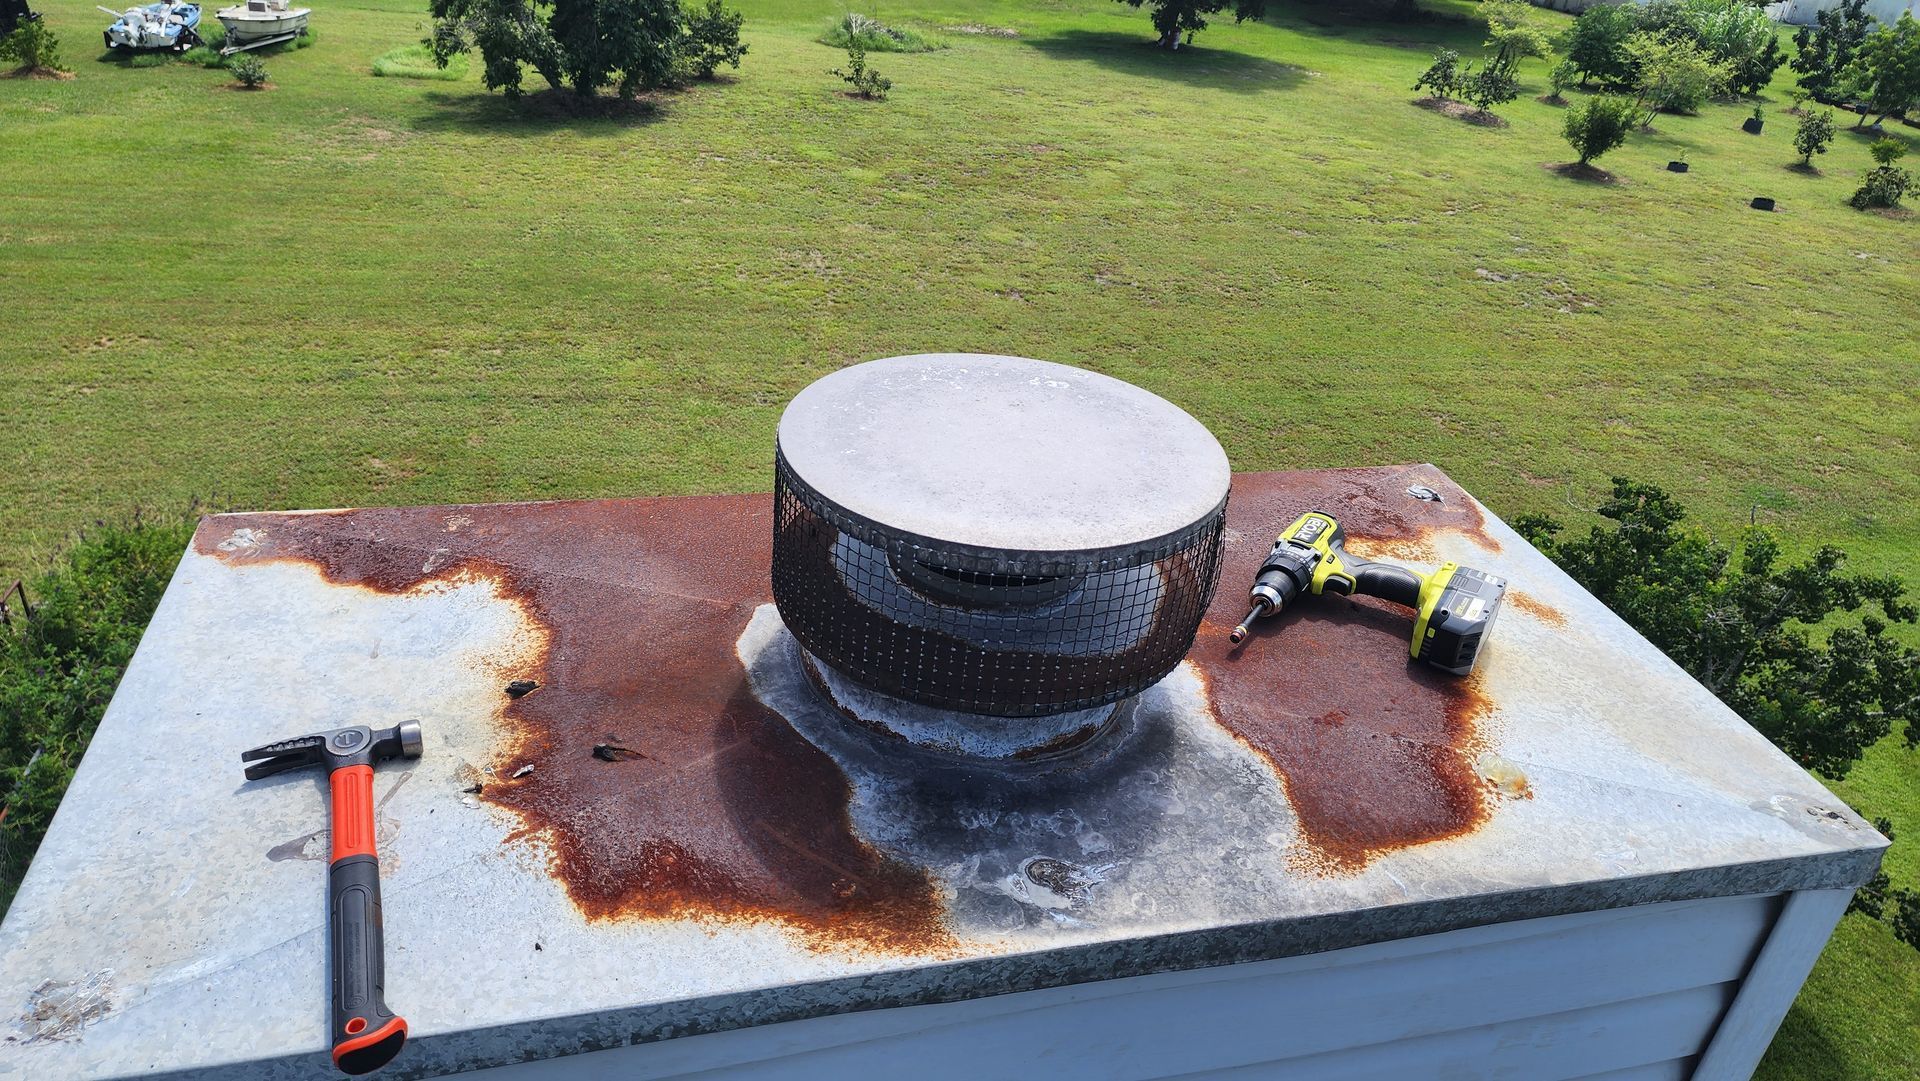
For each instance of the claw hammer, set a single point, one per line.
(366, 1035)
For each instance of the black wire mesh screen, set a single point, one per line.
(981, 630)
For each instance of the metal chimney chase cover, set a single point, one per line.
(994, 535)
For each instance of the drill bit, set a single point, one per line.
(1239, 634)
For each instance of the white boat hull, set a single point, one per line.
(244, 26)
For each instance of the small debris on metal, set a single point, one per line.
(520, 687)
(469, 801)
(613, 752)
(1506, 778)
(474, 789)
(242, 540)
(59, 1009)
(522, 771)
(536, 947)
(1424, 493)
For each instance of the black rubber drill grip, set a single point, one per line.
(366, 1035)
(1388, 582)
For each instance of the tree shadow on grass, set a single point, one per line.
(537, 113)
(1196, 65)
(1586, 174)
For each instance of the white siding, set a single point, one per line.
(1630, 994)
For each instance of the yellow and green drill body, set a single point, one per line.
(1454, 607)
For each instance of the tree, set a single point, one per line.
(1596, 44)
(631, 45)
(1884, 75)
(1827, 47)
(1597, 125)
(1511, 32)
(1177, 18)
(1742, 624)
(1813, 136)
(1673, 74)
(1879, 898)
(1886, 183)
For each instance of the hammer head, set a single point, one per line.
(357, 745)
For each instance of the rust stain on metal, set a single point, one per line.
(1376, 751)
(1536, 608)
(732, 815)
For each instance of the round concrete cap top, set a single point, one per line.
(1003, 452)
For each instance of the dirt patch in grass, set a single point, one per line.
(1573, 170)
(1554, 100)
(256, 86)
(1460, 110)
(38, 73)
(983, 31)
(1803, 169)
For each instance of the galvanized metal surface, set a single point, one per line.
(738, 854)
(1003, 452)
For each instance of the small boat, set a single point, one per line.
(261, 22)
(165, 25)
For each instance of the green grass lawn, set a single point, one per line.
(358, 290)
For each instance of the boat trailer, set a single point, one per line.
(258, 42)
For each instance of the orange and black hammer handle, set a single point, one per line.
(365, 1034)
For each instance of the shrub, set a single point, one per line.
(1598, 125)
(865, 81)
(874, 36)
(710, 37)
(1443, 78)
(249, 70)
(1814, 135)
(33, 46)
(417, 62)
(1886, 184)
(1490, 86)
(1561, 76)
(58, 669)
(1673, 75)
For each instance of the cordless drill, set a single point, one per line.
(1454, 607)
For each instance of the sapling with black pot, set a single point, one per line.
(1752, 124)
